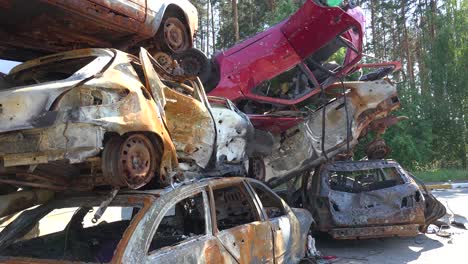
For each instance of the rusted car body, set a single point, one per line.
(33, 28)
(369, 199)
(330, 130)
(230, 220)
(103, 117)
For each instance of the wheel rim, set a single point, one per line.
(136, 160)
(175, 35)
(129, 162)
(164, 60)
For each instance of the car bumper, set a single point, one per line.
(375, 231)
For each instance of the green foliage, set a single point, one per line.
(442, 175)
(428, 37)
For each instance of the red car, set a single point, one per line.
(283, 66)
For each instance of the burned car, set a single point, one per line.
(369, 199)
(332, 129)
(94, 117)
(230, 220)
(34, 28)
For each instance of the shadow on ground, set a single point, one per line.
(387, 251)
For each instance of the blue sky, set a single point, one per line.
(5, 66)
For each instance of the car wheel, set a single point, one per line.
(377, 149)
(174, 35)
(257, 168)
(165, 60)
(194, 63)
(130, 162)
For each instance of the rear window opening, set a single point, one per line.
(183, 221)
(364, 180)
(48, 72)
(67, 232)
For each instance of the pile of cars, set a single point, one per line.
(137, 148)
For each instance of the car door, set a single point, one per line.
(285, 226)
(184, 233)
(135, 9)
(187, 114)
(238, 224)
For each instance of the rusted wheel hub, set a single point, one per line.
(257, 168)
(377, 149)
(165, 60)
(175, 34)
(130, 162)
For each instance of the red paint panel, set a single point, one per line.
(275, 125)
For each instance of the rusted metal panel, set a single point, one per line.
(375, 232)
(135, 9)
(250, 243)
(191, 127)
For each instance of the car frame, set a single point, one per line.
(60, 25)
(278, 239)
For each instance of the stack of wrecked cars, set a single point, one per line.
(79, 127)
(288, 82)
(80, 121)
(87, 118)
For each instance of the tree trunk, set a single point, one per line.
(236, 20)
(213, 31)
(409, 60)
(207, 50)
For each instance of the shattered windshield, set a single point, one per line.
(66, 229)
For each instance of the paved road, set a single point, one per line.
(423, 249)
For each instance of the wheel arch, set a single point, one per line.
(173, 10)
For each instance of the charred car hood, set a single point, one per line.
(27, 107)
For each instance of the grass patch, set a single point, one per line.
(442, 175)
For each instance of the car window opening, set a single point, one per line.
(69, 234)
(183, 221)
(364, 180)
(233, 207)
(48, 72)
(271, 203)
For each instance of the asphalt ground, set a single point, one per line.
(423, 249)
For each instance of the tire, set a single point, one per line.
(173, 35)
(194, 62)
